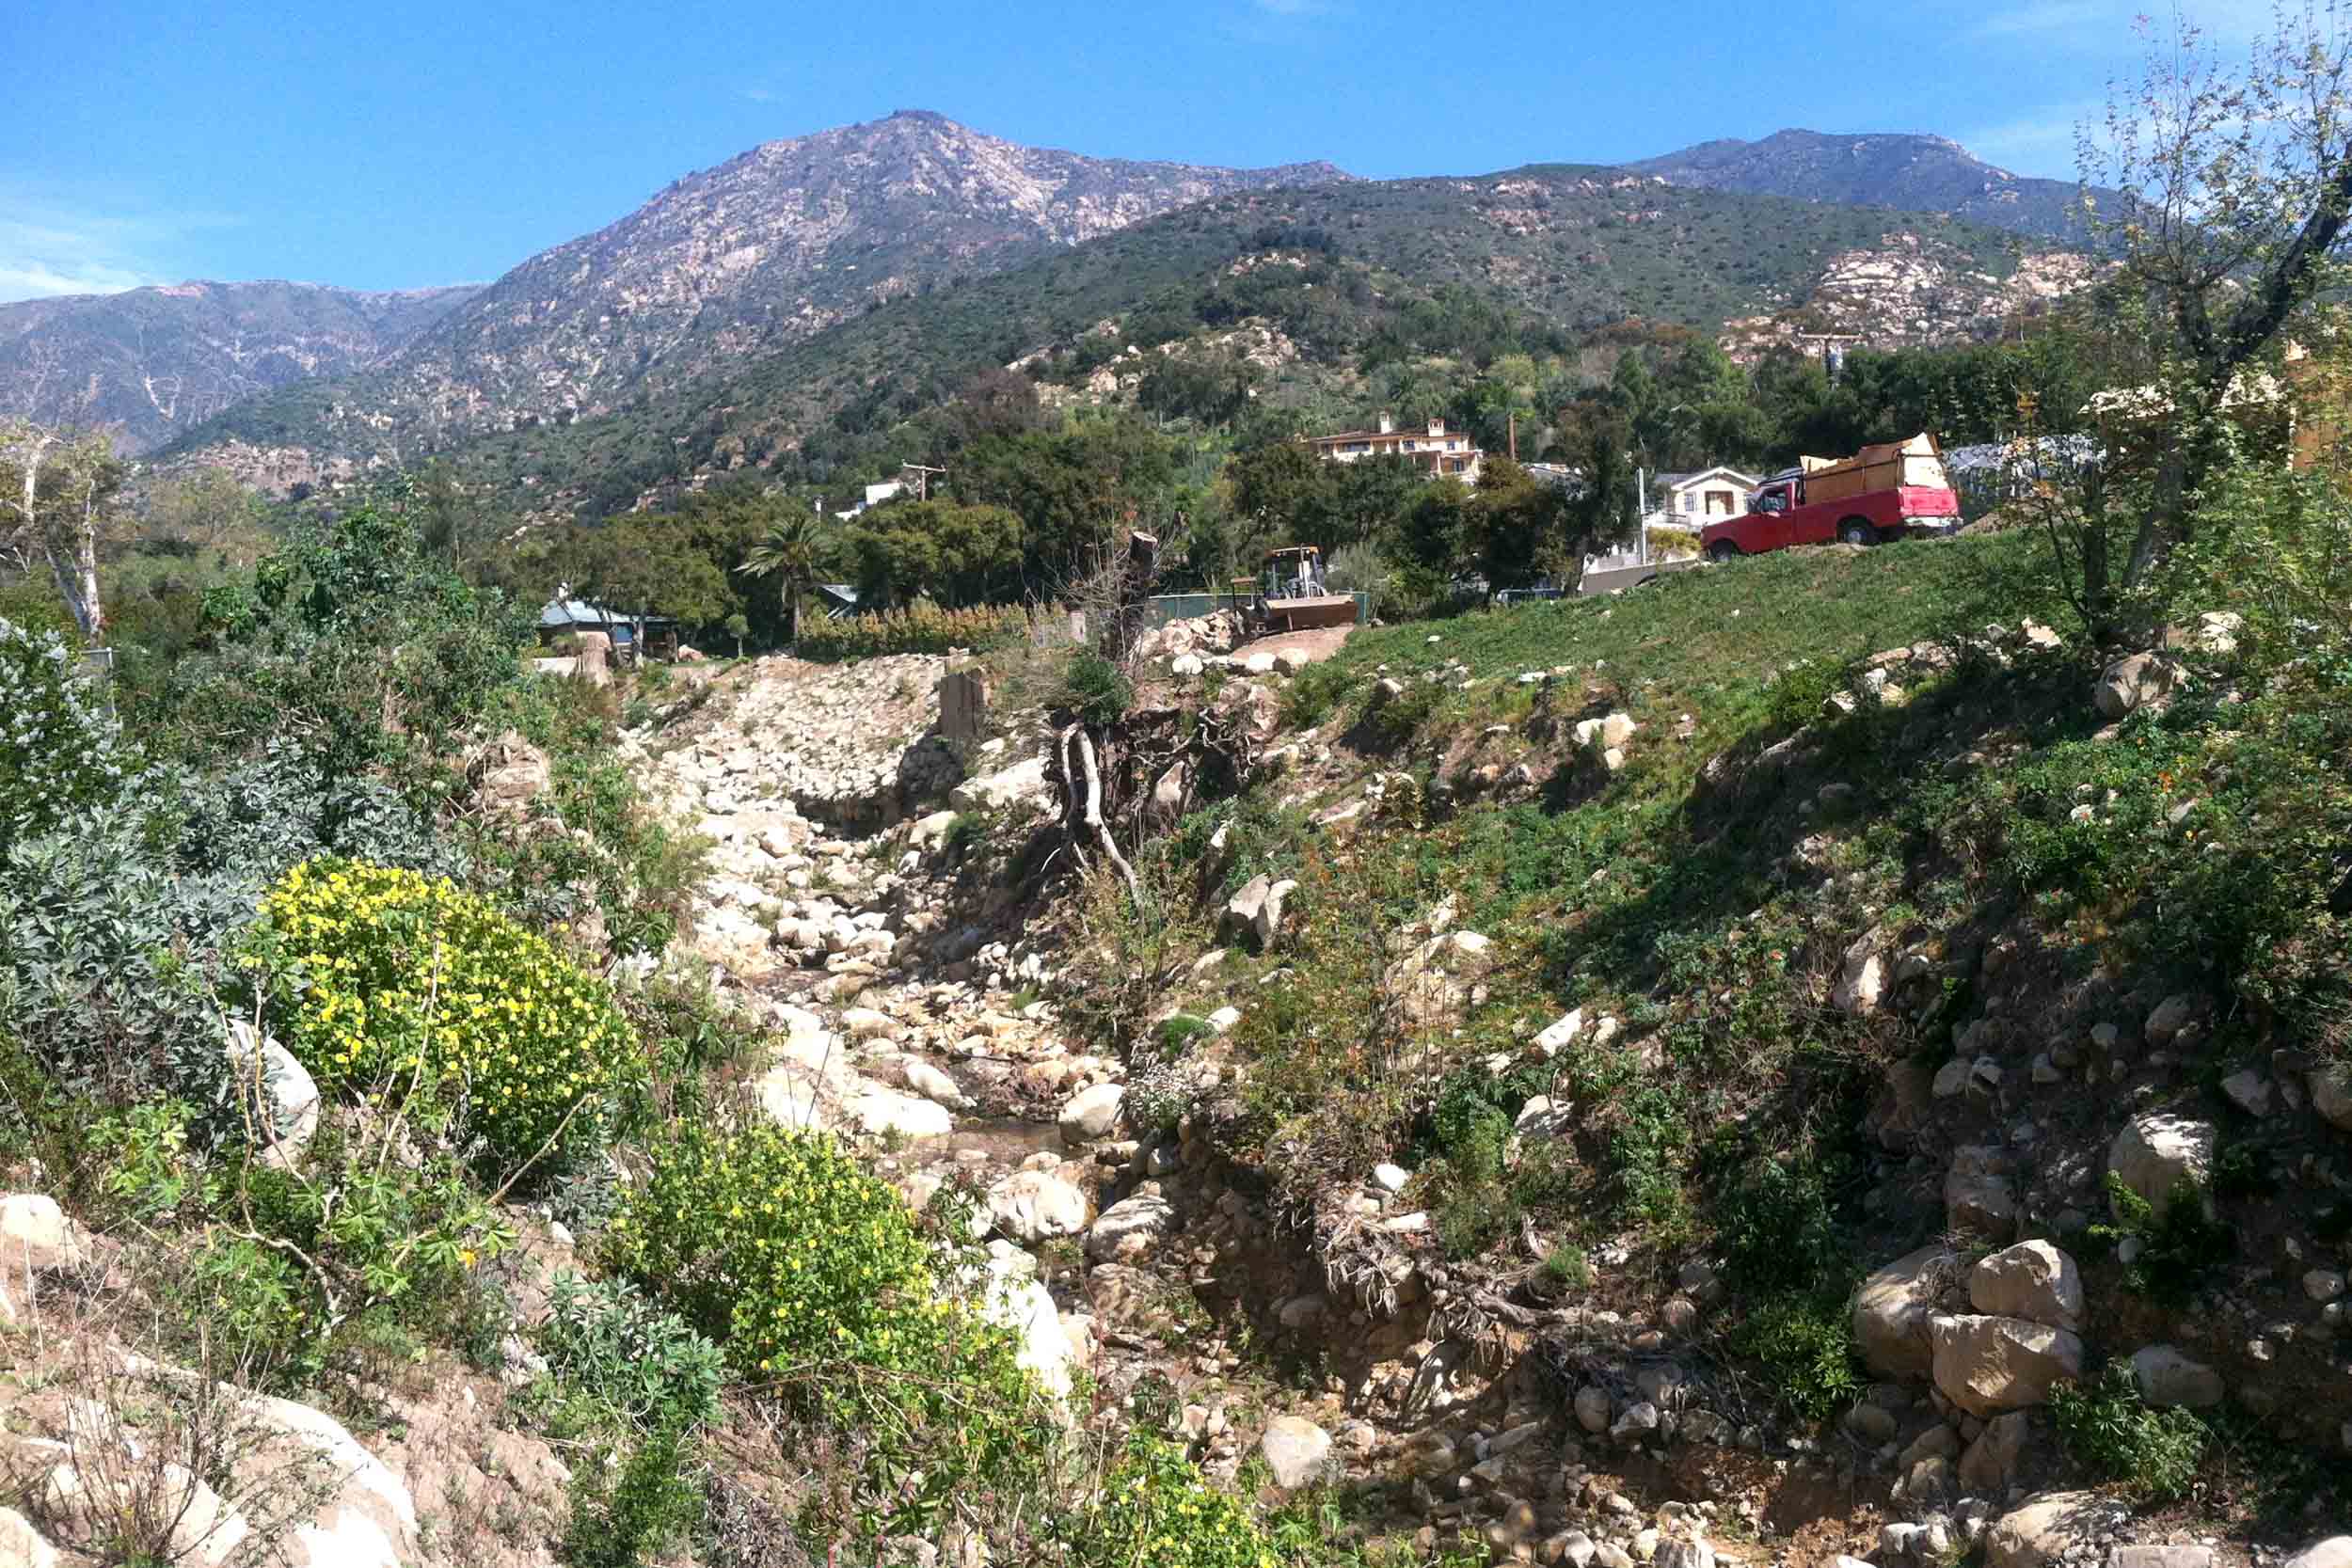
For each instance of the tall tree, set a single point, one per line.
(793, 551)
(52, 490)
(2237, 185)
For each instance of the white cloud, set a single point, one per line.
(51, 245)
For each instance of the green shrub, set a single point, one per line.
(1154, 1507)
(628, 1506)
(778, 1245)
(1567, 1269)
(1777, 1230)
(57, 753)
(2114, 1436)
(640, 1364)
(381, 977)
(1314, 692)
(1094, 689)
(2176, 1252)
(811, 1276)
(1805, 1346)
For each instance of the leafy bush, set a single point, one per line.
(1314, 692)
(1094, 689)
(378, 974)
(810, 1275)
(920, 628)
(1777, 1230)
(640, 1364)
(1805, 1346)
(1154, 1507)
(57, 753)
(2176, 1252)
(2114, 1436)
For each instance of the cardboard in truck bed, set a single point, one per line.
(1915, 463)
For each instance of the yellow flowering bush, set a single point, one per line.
(384, 979)
(812, 1276)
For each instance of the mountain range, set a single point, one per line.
(743, 305)
(1912, 173)
(150, 363)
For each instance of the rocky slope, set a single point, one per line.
(1911, 292)
(150, 363)
(1602, 1424)
(1913, 173)
(770, 246)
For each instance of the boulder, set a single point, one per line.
(1033, 1205)
(1026, 1308)
(1861, 979)
(2166, 1376)
(281, 1091)
(1241, 910)
(869, 1024)
(1613, 730)
(1991, 1462)
(1140, 1219)
(21, 1544)
(1261, 663)
(1978, 1196)
(1185, 665)
(2032, 1280)
(1294, 1450)
(2134, 682)
(1024, 781)
(888, 1113)
(1892, 1309)
(1987, 1365)
(2334, 1552)
(1091, 1114)
(515, 773)
(1561, 1032)
(36, 1233)
(1267, 924)
(2155, 1153)
(1292, 660)
(2049, 1528)
(2331, 1094)
(1542, 1118)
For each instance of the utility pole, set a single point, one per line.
(1640, 518)
(922, 478)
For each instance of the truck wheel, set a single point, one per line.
(1722, 549)
(1853, 531)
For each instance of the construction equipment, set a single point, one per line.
(1289, 594)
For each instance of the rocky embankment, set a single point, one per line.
(919, 1013)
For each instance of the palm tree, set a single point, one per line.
(793, 550)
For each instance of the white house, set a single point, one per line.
(1435, 450)
(1694, 501)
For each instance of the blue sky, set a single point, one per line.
(403, 143)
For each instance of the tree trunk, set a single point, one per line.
(93, 611)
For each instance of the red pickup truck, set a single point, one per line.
(1885, 492)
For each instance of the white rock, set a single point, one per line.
(1561, 1032)
(886, 1112)
(2167, 1377)
(1986, 1364)
(1294, 1450)
(2032, 1280)
(1390, 1178)
(279, 1086)
(2249, 1090)
(1093, 1113)
(2053, 1526)
(2334, 1552)
(2154, 1153)
(1540, 1118)
(1034, 1206)
(1892, 1308)
(1185, 664)
(1223, 1020)
(1148, 1218)
(21, 1544)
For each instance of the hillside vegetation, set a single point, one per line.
(1553, 249)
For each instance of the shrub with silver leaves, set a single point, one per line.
(58, 752)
